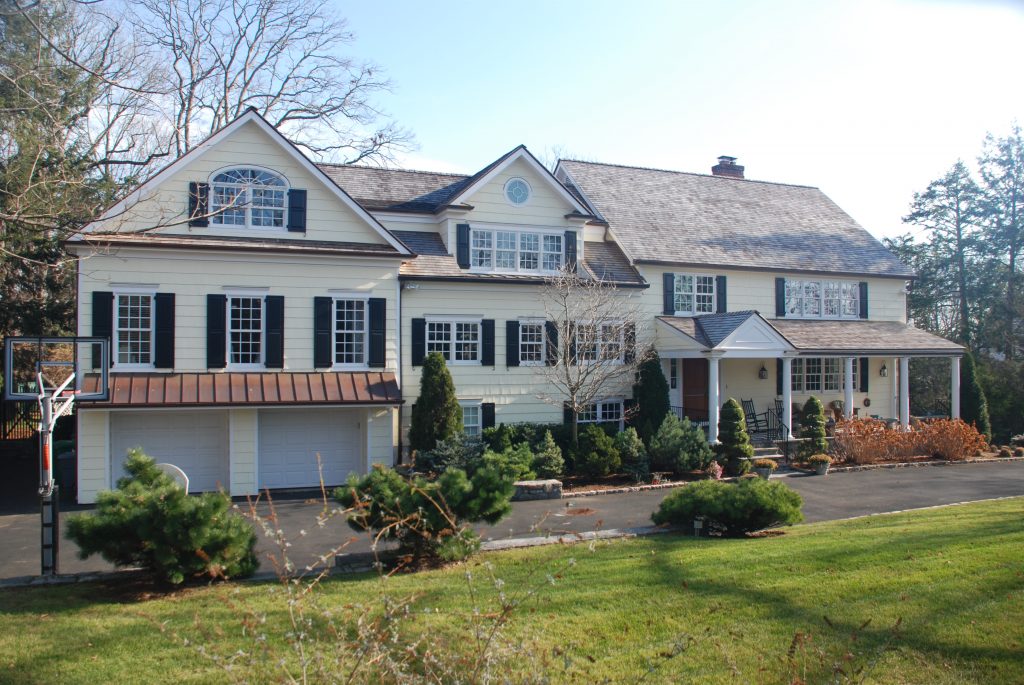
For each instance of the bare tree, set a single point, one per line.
(281, 57)
(596, 354)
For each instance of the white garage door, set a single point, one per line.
(195, 441)
(290, 439)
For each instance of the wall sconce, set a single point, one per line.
(763, 373)
(883, 372)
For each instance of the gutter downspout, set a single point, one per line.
(398, 364)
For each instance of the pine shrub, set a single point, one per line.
(635, 461)
(460, 451)
(149, 521)
(731, 509)
(812, 428)
(513, 463)
(651, 395)
(430, 520)
(679, 446)
(436, 414)
(734, 447)
(596, 455)
(548, 461)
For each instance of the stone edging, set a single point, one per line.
(913, 464)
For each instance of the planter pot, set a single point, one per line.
(821, 469)
(763, 473)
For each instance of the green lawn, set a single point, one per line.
(955, 576)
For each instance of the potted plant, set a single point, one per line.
(820, 463)
(764, 467)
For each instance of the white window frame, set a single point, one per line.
(246, 366)
(542, 324)
(479, 426)
(692, 294)
(529, 191)
(453, 322)
(801, 375)
(489, 248)
(216, 213)
(847, 301)
(365, 300)
(116, 330)
(600, 407)
(673, 374)
(600, 344)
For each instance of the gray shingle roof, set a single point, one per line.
(396, 189)
(709, 329)
(692, 219)
(601, 260)
(876, 337)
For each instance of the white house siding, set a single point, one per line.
(546, 206)
(243, 431)
(93, 451)
(191, 275)
(327, 217)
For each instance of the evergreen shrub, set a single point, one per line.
(734, 448)
(731, 509)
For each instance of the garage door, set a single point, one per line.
(196, 442)
(290, 439)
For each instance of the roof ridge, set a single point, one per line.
(688, 173)
(404, 171)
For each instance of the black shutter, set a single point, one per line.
(551, 332)
(487, 342)
(780, 297)
(198, 204)
(863, 374)
(487, 414)
(216, 331)
(323, 328)
(511, 343)
(378, 326)
(863, 300)
(419, 341)
(629, 342)
(274, 330)
(778, 379)
(720, 293)
(163, 342)
(570, 250)
(668, 294)
(102, 324)
(297, 211)
(462, 245)
(566, 414)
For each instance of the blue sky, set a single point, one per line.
(867, 100)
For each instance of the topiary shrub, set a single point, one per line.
(734, 448)
(635, 461)
(460, 451)
(651, 396)
(812, 428)
(596, 455)
(436, 414)
(151, 522)
(731, 509)
(548, 461)
(430, 520)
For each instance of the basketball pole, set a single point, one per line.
(48, 491)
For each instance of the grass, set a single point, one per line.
(953, 576)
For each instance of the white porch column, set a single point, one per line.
(848, 387)
(787, 397)
(905, 392)
(713, 401)
(954, 387)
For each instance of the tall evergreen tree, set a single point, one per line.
(973, 405)
(734, 447)
(436, 415)
(651, 395)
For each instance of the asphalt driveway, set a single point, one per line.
(836, 496)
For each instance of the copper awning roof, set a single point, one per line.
(141, 390)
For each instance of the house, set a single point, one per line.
(269, 316)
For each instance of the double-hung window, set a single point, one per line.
(248, 197)
(245, 331)
(531, 343)
(516, 250)
(817, 374)
(349, 332)
(600, 342)
(472, 418)
(822, 299)
(606, 411)
(694, 294)
(133, 342)
(457, 341)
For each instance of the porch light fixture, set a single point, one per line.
(883, 372)
(763, 373)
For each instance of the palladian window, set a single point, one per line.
(248, 197)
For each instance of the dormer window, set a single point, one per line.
(248, 197)
(515, 250)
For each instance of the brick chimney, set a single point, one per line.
(728, 167)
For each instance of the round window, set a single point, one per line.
(517, 191)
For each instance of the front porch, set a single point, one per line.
(856, 368)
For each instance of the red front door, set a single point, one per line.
(695, 388)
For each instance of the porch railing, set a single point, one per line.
(698, 417)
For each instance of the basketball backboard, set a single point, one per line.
(84, 361)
